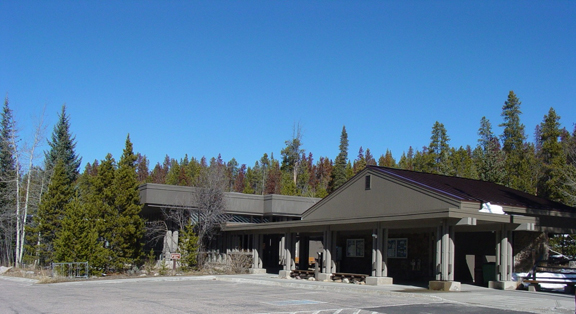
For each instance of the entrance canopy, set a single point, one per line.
(403, 199)
(414, 218)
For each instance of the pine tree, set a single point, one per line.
(142, 168)
(7, 186)
(62, 147)
(50, 214)
(489, 158)
(387, 160)
(129, 226)
(339, 172)
(461, 163)
(370, 161)
(291, 154)
(360, 162)
(518, 162)
(188, 246)
(172, 177)
(552, 158)
(239, 181)
(274, 178)
(439, 150)
(98, 199)
(407, 160)
(77, 240)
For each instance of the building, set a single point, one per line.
(399, 225)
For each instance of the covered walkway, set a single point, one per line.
(398, 225)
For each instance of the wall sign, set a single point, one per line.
(398, 248)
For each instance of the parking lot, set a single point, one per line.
(229, 294)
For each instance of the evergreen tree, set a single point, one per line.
(62, 147)
(231, 173)
(518, 162)
(142, 168)
(407, 160)
(291, 154)
(552, 158)
(7, 185)
(339, 172)
(251, 181)
(302, 183)
(129, 226)
(265, 165)
(439, 150)
(387, 160)
(77, 240)
(489, 158)
(99, 199)
(240, 178)
(288, 186)
(569, 189)
(323, 175)
(461, 163)
(274, 178)
(188, 246)
(370, 161)
(360, 162)
(50, 214)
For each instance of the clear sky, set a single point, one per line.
(233, 77)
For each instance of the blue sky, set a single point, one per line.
(233, 77)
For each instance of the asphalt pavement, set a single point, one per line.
(264, 293)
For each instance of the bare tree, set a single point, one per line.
(569, 187)
(208, 197)
(24, 183)
(292, 153)
(28, 195)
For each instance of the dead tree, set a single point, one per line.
(210, 206)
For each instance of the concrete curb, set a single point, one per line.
(136, 280)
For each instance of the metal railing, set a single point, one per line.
(71, 270)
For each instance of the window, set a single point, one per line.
(368, 185)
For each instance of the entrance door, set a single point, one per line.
(271, 253)
(474, 257)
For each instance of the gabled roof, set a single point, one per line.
(473, 190)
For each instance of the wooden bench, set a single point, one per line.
(560, 275)
(351, 277)
(302, 274)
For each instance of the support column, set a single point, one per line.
(326, 271)
(451, 252)
(292, 250)
(256, 255)
(282, 251)
(376, 253)
(286, 245)
(335, 257)
(287, 252)
(379, 258)
(445, 259)
(385, 252)
(504, 261)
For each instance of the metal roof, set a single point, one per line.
(464, 189)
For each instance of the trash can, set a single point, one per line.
(488, 272)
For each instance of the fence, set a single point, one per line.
(70, 270)
(236, 260)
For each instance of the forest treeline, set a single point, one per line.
(51, 211)
(540, 168)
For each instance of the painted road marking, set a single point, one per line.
(293, 302)
(329, 311)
